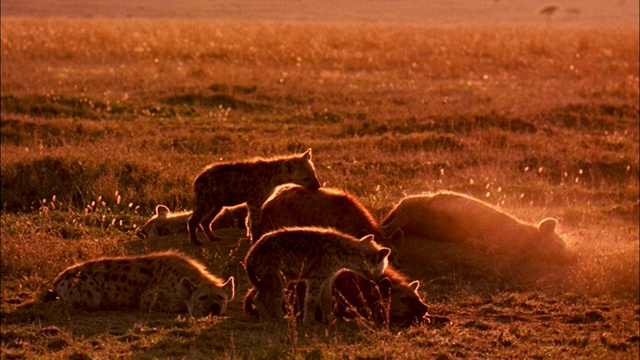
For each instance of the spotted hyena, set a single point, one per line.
(251, 182)
(312, 255)
(292, 205)
(165, 223)
(453, 217)
(164, 281)
(390, 300)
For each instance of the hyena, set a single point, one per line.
(391, 299)
(312, 255)
(228, 184)
(165, 281)
(453, 217)
(292, 205)
(164, 222)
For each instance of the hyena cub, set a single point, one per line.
(228, 184)
(165, 223)
(391, 299)
(453, 217)
(165, 281)
(291, 205)
(312, 255)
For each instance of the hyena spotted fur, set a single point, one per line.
(292, 205)
(454, 217)
(390, 300)
(167, 223)
(165, 281)
(251, 182)
(312, 255)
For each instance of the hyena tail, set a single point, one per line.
(248, 306)
(48, 296)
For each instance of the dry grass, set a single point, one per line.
(113, 117)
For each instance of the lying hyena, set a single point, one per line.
(165, 223)
(453, 217)
(164, 281)
(312, 255)
(390, 300)
(291, 205)
(251, 182)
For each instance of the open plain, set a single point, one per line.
(102, 118)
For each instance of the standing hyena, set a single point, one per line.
(291, 205)
(251, 182)
(391, 299)
(453, 217)
(164, 281)
(312, 255)
(164, 222)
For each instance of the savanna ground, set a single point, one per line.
(104, 119)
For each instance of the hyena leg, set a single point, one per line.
(202, 211)
(84, 295)
(268, 299)
(312, 302)
(326, 302)
(254, 224)
(207, 224)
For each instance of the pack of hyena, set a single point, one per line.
(316, 252)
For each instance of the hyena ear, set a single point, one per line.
(229, 287)
(186, 288)
(307, 155)
(414, 285)
(383, 255)
(547, 226)
(162, 211)
(367, 238)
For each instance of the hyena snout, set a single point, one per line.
(420, 310)
(311, 183)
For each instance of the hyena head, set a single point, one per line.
(405, 305)
(549, 244)
(163, 223)
(207, 299)
(300, 170)
(377, 257)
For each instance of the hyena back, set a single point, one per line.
(453, 217)
(228, 184)
(291, 205)
(312, 255)
(165, 281)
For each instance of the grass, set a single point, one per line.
(102, 120)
